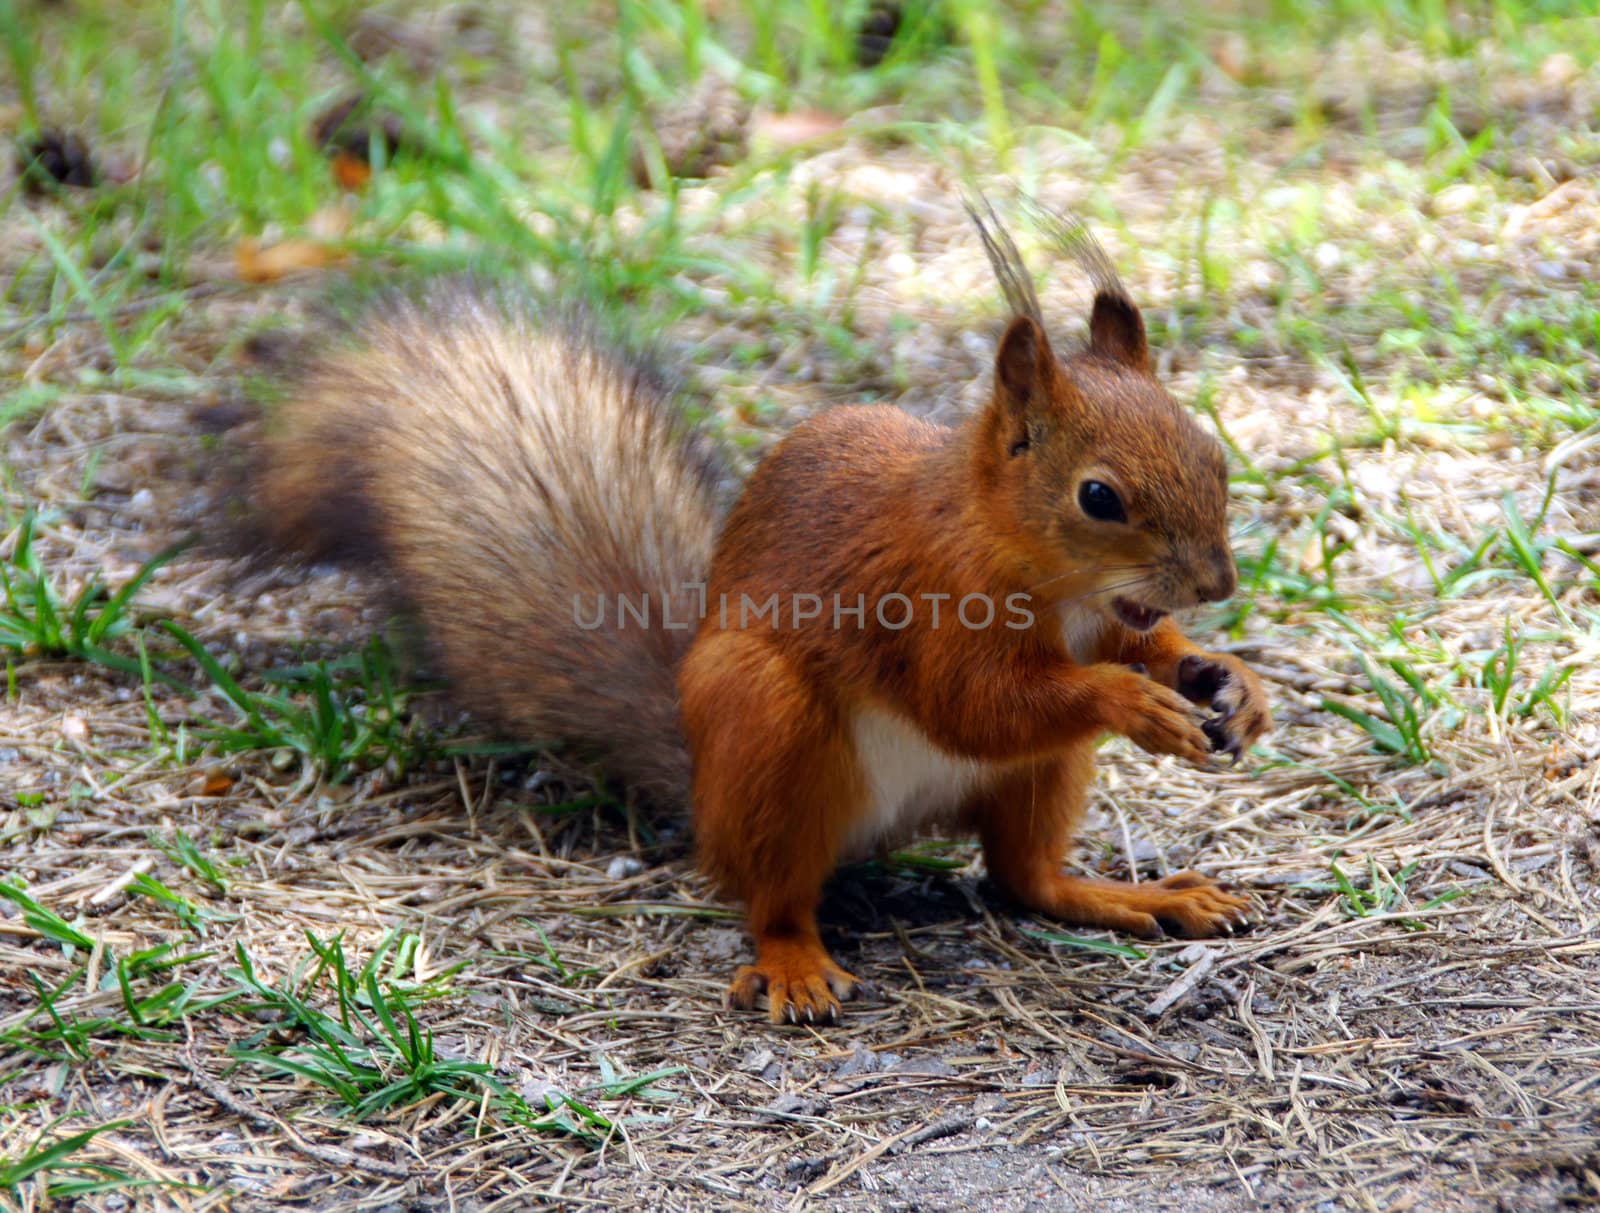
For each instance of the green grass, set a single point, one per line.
(370, 1052)
(38, 619)
(49, 1168)
(1383, 892)
(149, 1003)
(1407, 705)
(1088, 943)
(367, 1049)
(341, 717)
(185, 853)
(350, 1030)
(45, 920)
(224, 100)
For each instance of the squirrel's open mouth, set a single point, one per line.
(1139, 618)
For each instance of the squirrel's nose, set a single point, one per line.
(1219, 580)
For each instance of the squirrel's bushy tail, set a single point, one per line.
(510, 476)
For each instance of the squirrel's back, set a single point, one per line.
(511, 476)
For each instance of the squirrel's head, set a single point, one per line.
(1110, 493)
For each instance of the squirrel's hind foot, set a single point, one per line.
(1185, 904)
(1196, 907)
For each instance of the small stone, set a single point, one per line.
(722, 943)
(706, 129)
(757, 1061)
(862, 1061)
(1454, 199)
(1559, 70)
(789, 1104)
(622, 867)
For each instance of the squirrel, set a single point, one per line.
(896, 625)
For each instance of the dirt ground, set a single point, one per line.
(1427, 1039)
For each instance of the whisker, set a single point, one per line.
(1097, 590)
(1105, 589)
(1102, 568)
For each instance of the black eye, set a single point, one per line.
(1100, 501)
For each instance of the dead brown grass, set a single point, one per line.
(1440, 1053)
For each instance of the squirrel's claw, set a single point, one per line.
(1222, 741)
(1235, 696)
(802, 984)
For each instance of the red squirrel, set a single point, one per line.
(896, 626)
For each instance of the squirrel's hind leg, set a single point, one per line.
(1029, 818)
(775, 790)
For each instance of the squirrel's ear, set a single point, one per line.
(1116, 331)
(1023, 366)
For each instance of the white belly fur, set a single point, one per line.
(1081, 630)
(911, 783)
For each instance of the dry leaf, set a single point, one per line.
(1231, 53)
(794, 129)
(217, 783)
(351, 172)
(346, 132)
(1559, 201)
(257, 264)
(330, 223)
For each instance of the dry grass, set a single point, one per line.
(1427, 1037)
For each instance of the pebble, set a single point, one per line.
(622, 867)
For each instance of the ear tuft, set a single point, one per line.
(1009, 271)
(1116, 331)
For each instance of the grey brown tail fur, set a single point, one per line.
(499, 467)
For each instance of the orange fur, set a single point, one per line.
(501, 467)
(871, 502)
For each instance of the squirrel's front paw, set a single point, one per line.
(801, 982)
(1234, 692)
(1158, 719)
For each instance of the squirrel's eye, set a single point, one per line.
(1100, 502)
